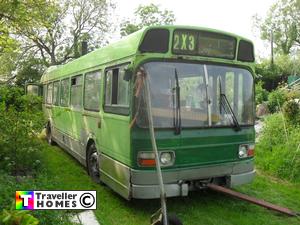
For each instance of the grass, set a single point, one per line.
(203, 207)
(277, 151)
(199, 208)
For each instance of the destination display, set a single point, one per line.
(203, 43)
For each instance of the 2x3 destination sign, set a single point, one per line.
(203, 43)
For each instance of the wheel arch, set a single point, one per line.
(49, 123)
(89, 141)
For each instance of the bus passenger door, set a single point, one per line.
(76, 115)
(64, 121)
(48, 100)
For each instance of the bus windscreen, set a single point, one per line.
(203, 43)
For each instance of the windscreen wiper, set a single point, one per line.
(177, 116)
(228, 110)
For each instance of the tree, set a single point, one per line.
(15, 13)
(146, 16)
(272, 75)
(7, 10)
(49, 32)
(7, 65)
(29, 70)
(65, 25)
(282, 22)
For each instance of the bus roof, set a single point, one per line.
(125, 47)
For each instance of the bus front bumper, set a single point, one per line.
(144, 184)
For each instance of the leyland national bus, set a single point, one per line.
(201, 88)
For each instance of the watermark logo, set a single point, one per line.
(29, 200)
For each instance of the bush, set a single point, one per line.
(278, 150)
(275, 99)
(261, 94)
(293, 94)
(43, 181)
(291, 112)
(22, 155)
(11, 96)
(12, 217)
(23, 120)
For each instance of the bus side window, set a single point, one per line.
(116, 91)
(49, 93)
(123, 89)
(64, 92)
(108, 87)
(76, 92)
(44, 93)
(56, 93)
(92, 90)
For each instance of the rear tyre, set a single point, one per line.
(49, 135)
(93, 163)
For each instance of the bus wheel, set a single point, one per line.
(172, 220)
(49, 135)
(93, 163)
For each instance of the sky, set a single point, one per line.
(229, 15)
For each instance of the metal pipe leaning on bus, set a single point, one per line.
(138, 87)
(143, 81)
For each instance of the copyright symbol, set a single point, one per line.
(87, 200)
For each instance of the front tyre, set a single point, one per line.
(93, 163)
(172, 220)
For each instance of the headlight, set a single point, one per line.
(246, 150)
(167, 158)
(243, 151)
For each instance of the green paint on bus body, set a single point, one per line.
(111, 132)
